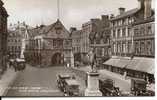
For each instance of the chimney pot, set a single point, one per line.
(72, 29)
(147, 8)
(121, 10)
(104, 17)
(111, 16)
(140, 4)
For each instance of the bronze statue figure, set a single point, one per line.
(92, 59)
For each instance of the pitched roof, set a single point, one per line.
(1, 3)
(3, 11)
(125, 14)
(76, 34)
(149, 19)
(48, 30)
(33, 32)
(16, 33)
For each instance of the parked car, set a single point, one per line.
(19, 64)
(11, 62)
(138, 87)
(71, 87)
(107, 88)
(61, 80)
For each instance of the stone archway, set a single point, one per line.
(56, 59)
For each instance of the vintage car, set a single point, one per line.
(11, 62)
(138, 87)
(71, 87)
(61, 80)
(19, 64)
(107, 87)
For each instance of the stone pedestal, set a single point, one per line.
(93, 85)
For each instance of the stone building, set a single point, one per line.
(121, 32)
(76, 43)
(76, 40)
(3, 37)
(144, 37)
(14, 41)
(144, 49)
(132, 41)
(87, 29)
(100, 39)
(49, 45)
(121, 27)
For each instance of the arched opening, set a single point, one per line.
(56, 59)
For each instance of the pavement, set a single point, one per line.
(35, 81)
(6, 80)
(120, 81)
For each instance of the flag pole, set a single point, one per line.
(58, 8)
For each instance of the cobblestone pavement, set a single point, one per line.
(39, 82)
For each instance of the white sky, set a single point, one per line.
(72, 12)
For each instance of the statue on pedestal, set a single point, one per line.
(92, 60)
(92, 81)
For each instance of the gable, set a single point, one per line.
(56, 30)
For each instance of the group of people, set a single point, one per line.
(16, 65)
(11, 64)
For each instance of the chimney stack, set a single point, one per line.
(72, 29)
(1, 3)
(121, 10)
(112, 16)
(104, 17)
(24, 23)
(147, 8)
(37, 26)
(140, 4)
(95, 19)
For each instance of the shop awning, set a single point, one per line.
(142, 64)
(117, 62)
(137, 63)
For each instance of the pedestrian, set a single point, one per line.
(68, 65)
(15, 65)
(86, 80)
(10, 64)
